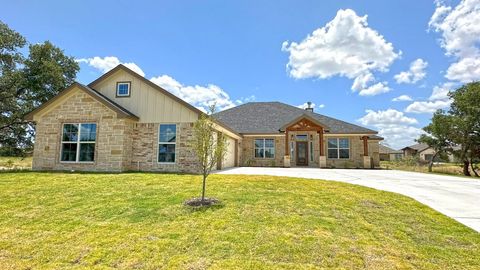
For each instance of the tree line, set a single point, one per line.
(457, 130)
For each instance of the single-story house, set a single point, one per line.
(426, 153)
(389, 154)
(122, 121)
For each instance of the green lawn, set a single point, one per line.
(17, 163)
(60, 220)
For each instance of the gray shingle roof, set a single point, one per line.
(387, 150)
(418, 147)
(269, 117)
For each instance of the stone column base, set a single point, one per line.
(286, 161)
(367, 162)
(322, 161)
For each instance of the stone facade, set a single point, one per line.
(112, 145)
(356, 159)
(145, 149)
(121, 144)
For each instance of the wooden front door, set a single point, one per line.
(302, 153)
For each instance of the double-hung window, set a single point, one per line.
(123, 89)
(78, 142)
(264, 148)
(166, 143)
(338, 148)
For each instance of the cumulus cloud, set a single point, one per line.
(345, 46)
(398, 129)
(402, 98)
(108, 62)
(313, 105)
(375, 89)
(460, 30)
(427, 106)
(415, 73)
(440, 92)
(199, 96)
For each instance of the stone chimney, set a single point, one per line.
(309, 106)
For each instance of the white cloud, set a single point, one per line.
(199, 96)
(427, 106)
(460, 29)
(376, 89)
(387, 117)
(313, 105)
(466, 70)
(440, 92)
(402, 98)
(414, 74)
(108, 62)
(397, 129)
(346, 47)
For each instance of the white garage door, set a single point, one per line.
(229, 160)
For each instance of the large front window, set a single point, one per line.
(78, 142)
(338, 148)
(264, 148)
(167, 139)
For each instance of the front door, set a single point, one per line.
(302, 154)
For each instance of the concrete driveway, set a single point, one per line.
(456, 197)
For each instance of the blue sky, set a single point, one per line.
(235, 52)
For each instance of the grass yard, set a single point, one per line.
(137, 220)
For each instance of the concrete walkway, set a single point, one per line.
(456, 197)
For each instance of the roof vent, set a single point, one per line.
(309, 106)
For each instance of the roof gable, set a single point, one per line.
(121, 112)
(142, 79)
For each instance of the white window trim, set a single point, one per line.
(78, 142)
(118, 88)
(339, 148)
(159, 142)
(263, 147)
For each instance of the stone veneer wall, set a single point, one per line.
(145, 149)
(355, 160)
(112, 144)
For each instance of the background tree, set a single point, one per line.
(465, 110)
(209, 147)
(438, 135)
(27, 82)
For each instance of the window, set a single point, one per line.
(338, 148)
(78, 142)
(302, 138)
(167, 139)
(123, 89)
(264, 148)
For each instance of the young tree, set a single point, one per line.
(438, 135)
(209, 146)
(27, 82)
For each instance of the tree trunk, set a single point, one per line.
(430, 164)
(466, 172)
(203, 187)
(473, 169)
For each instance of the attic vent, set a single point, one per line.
(309, 106)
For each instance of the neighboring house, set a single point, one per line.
(122, 121)
(423, 151)
(389, 154)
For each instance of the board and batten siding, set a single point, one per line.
(146, 102)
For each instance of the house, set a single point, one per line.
(426, 153)
(389, 154)
(122, 121)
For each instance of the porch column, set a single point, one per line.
(367, 161)
(286, 157)
(322, 159)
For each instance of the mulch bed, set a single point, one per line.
(196, 202)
